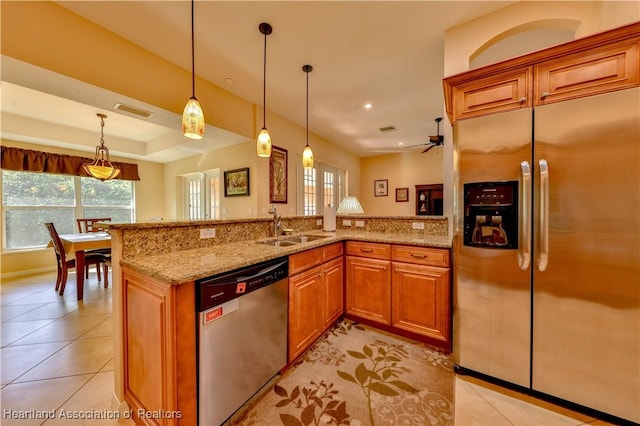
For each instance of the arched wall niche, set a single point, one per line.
(522, 39)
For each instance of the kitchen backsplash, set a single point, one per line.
(164, 237)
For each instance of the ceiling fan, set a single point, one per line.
(434, 141)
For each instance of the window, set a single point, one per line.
(331, 181)
(310, 192)
(31, 199)
(202, 195)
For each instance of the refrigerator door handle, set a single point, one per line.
(543, 255)
(524, 254)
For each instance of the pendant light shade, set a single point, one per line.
(263, 142)
(307, 153)
(101, 167)
(192, 116)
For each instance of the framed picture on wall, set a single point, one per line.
(278, 175)
(380, 187)
(236, 182)
(402, 195)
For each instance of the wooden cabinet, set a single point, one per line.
(368, 288)
(497, 92)
(332, 291)
(159, 348)
(402, 288)
(588, 66)
(305, 316)
(421, 287)
(429, 200)
(315, 295)
(368, 277)
(589, 73)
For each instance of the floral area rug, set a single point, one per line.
(356, 375)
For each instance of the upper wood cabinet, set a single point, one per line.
(585, 74)
(584, 67)
(498, 92)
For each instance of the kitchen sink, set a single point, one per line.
(292, 240)
(304, 238)
(277, 242)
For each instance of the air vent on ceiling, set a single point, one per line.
(132, 110)
(388, 129)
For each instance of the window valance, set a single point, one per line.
(28, 160)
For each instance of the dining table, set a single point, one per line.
(78, 244)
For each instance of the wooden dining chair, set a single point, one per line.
(86, 225)
(65, 264)
(90, 225)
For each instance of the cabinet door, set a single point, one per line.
(332, 294)
(305, 319)
(495, 93)
(602, 70)
(159, 346)
(369, 288)
(421, 300)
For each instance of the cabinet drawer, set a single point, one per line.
(304, 260)
(372, 250)
(421, 255)
(587, 73)
(492, 94)
(331, 251)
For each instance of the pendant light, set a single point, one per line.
(192, 116)
(101, 168)
(307, 154)
(263, 143)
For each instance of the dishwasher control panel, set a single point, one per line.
(221, 288)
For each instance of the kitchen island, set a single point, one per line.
(155, 295)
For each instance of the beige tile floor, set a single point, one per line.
(57, 357)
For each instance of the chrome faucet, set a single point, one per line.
(277, 224)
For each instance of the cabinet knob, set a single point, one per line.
(523, 100)
(544, 95)
(384, 268)
(396, 270)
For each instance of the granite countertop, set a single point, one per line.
(189, 265)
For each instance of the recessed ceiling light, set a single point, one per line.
(400, 143)
(367, 106)
(228, 80)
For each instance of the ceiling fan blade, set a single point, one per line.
(412, 146)
(429, 148)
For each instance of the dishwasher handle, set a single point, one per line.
(261, 272)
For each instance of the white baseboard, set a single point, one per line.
(122, 407)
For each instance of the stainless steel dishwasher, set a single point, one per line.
(242, 336)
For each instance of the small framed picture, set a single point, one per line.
(402, 195)
(236, 182)
(380, 188)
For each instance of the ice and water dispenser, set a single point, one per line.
(491, 214)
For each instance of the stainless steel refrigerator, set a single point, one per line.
(547, 250)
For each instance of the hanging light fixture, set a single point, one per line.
(307, 154)
(101, 168)
(192, 116)
(263, 143)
